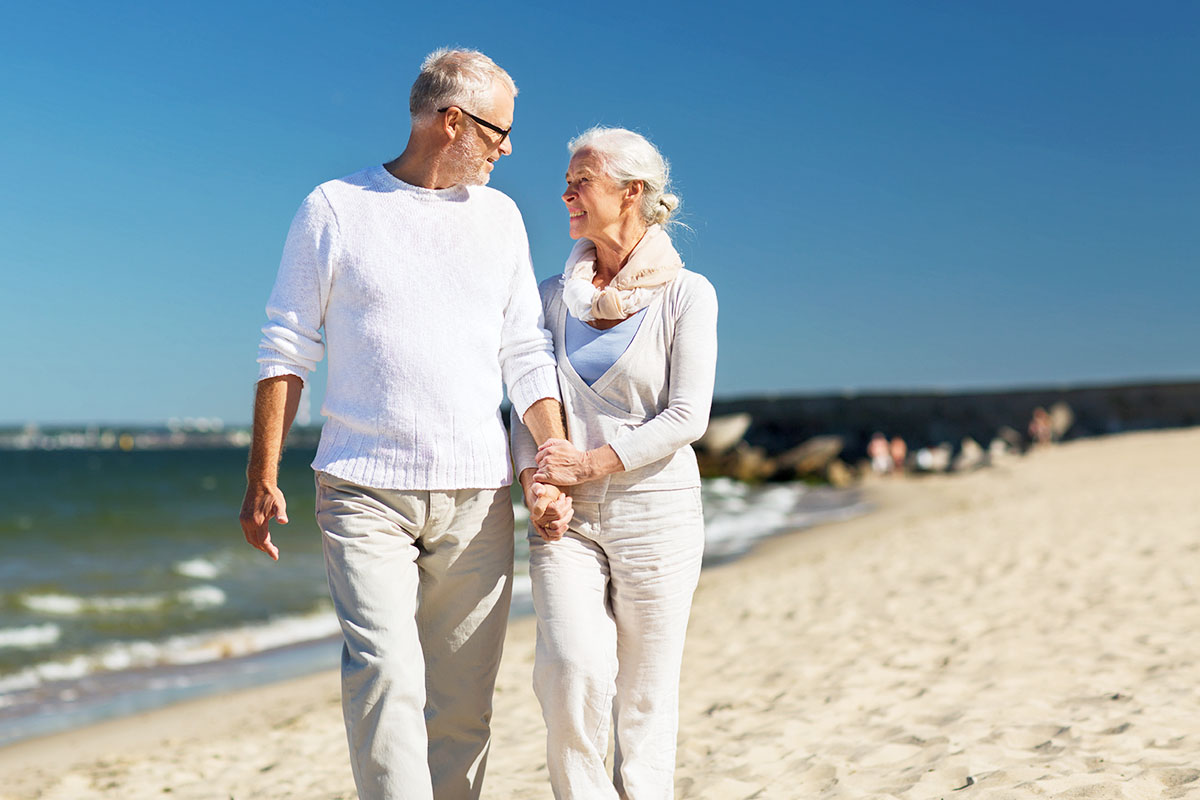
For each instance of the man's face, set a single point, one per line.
(475, 151)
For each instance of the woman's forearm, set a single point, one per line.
(602, 461)
(560, 462)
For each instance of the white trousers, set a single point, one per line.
(421, 582)
(612, 599)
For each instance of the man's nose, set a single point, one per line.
(506, 146)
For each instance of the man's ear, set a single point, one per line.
(451, 120)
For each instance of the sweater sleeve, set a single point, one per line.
(693, 372)
(526, 349)
(291, 340)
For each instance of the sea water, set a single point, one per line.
(126, 583)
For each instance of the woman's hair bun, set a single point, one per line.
(666, 205)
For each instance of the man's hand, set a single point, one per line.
(275, 403)
(263, 503)
(550, 511)
(549, 507)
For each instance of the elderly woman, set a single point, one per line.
(635, 335)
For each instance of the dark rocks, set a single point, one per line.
(723, 433)
(782, 438)
(813, 456)
(744, 463)
(929, 418)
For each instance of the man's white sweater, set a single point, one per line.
(427, 302)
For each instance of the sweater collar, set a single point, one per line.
(386, 180)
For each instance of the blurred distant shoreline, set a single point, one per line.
(777, 421)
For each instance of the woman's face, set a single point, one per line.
(594, 200)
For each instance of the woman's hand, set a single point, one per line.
(560, 462)
(549, 507)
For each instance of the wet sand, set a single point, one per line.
(1029, 630)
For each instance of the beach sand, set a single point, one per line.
(1029, 630)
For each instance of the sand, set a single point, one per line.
(1029, 630)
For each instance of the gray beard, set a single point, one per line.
(467, 164)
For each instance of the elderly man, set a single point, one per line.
(419, 277)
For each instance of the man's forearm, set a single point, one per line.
(525, 477)
(545, 420)
(275, 403)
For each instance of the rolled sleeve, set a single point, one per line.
(291, 342)
(539, 383)
(266, 371)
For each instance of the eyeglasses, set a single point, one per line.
(503, 133)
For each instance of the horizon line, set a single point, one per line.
(845, 392)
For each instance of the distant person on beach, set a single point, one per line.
(419, 277)
(898, 450)
(1040, 429)
(879, 450)
(635, 335)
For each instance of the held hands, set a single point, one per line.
(549, 507)
(263, 502)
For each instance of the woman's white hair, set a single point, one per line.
(627, 157)
(456, 77)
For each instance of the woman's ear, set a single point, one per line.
(633, 192)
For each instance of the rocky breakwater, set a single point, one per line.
(830, 437)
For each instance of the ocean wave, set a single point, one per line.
(202, 597)
(723, 488)
(66, 605)
(737, 515)
(200, 568)
(70, 605)
(30, 637)
(177, 650)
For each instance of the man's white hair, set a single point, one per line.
(627, 157)
(456, 77)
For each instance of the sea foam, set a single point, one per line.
(177, 650)
(200, 568)
(736, 515)
(202, 597)
(66, 605)
(30, 637)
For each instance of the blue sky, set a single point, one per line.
(886, 195)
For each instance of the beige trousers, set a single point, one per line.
(612, 599)
(421, 582)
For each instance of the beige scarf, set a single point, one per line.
(650, 267)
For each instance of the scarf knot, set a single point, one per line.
(652, 265)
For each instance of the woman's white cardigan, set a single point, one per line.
(652, 403)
